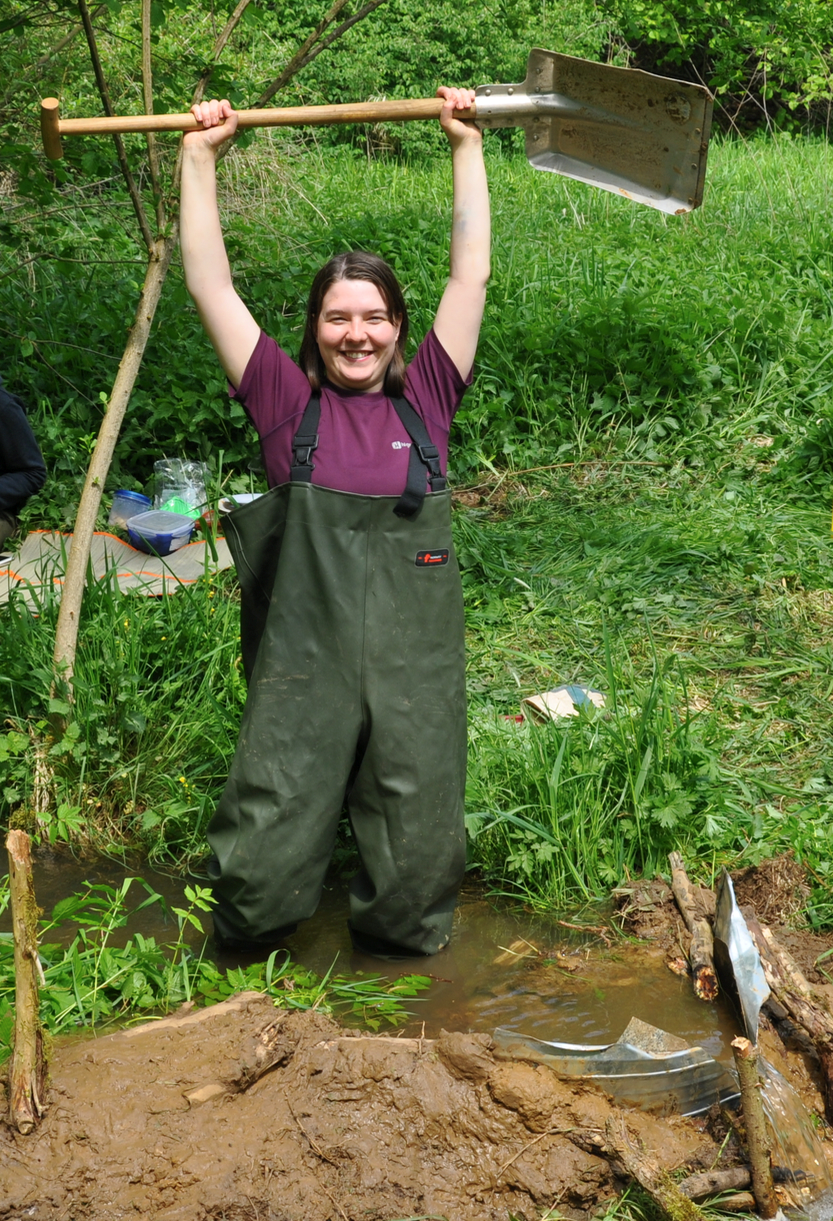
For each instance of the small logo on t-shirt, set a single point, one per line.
(401, 444)
(431, 559)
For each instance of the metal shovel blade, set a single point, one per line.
(737, 959)
(621, 129)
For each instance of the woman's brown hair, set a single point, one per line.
(356, 265)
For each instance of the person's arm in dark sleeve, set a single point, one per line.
(22, 469)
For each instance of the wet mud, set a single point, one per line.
(170, 1120)
(249, 1111)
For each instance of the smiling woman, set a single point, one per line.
(357, 326)
(356, 336)
(352, 641)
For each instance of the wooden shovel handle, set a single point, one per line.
(52, 127)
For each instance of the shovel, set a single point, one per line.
(626, 131)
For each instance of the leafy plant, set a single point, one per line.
(93, 981)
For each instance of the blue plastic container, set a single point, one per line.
(158, 532)
(126, 505)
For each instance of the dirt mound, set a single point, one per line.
(777, 890)
(245, 1111)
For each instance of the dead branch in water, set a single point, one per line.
(701, 950)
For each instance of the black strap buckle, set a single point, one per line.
(303, 447)
(305, 443)
(428, 453)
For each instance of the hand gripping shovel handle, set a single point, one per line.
(53, 127)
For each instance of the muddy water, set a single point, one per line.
(504, 967)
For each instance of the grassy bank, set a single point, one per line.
(645, 455)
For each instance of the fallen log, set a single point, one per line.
(757, 1140)
(713, 1182)
(27, 1069)
(791, 990)
(658, 1183)
(701, 950)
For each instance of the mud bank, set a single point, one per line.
(162, 1121)
(248, 1111)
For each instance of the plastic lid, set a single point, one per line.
(158, 521)
(137, 496)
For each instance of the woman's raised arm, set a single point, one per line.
(460, 312)
(230, 327)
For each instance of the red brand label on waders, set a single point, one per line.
(431, 559)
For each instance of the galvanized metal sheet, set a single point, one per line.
(626, 131)
(737, 959)
(645, 1068)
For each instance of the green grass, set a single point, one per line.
(705, 621)
(647, 451)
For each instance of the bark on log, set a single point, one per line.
(791, 989)
(27, 1070)
(701, 950)
(657, 1182)
(712, 1182)
(757, 1139)
(740, 1202)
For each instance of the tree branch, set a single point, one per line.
(147, 94)
(66, 40)
(298, 59)
(199, 92)
(104, 94)
(219, 47)
(342, 29)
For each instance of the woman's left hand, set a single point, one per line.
(457, 130)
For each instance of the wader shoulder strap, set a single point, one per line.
(424, 453)
(305, 443)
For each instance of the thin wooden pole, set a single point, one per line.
(757, 1141)
(66, 633)
(27, 1072)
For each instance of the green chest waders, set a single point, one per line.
(352, 640)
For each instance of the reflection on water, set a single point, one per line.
(796, 1144)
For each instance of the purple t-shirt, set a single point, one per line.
(363, 446)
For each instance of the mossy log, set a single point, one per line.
(658, 1183)
(27, 1070)
(701, 950)
(757, 1140)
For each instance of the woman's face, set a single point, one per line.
(356, 335)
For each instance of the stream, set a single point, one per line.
(506, 966)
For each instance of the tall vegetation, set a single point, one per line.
(770, 63)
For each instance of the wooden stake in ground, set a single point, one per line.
(701, 951)
(757, 1141)
(27, 1073)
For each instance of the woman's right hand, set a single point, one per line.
(218, 122)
